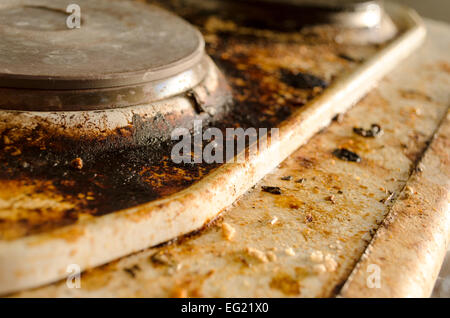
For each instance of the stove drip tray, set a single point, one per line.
(128, 62)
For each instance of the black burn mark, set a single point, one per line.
(346, 155)
(302, 80)
(108, 181)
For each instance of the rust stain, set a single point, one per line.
(286, 284)
(70, 235)
(444, 66)
(414, 94)
(190, 286)
(289, 202)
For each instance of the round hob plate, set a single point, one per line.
(119, 43)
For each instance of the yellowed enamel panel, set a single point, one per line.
(306, 241)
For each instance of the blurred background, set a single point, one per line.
(435, 9)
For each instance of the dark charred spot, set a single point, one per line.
(132, 270)
(305, 162)
(349, 58)
(272, 190)
(331, 198)
(339, 118)
(374, 131)
(302, 80)
(346, 155)
(77, 163)
(161, 258)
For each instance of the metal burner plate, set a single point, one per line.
(118, 43)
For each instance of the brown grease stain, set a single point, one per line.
(288, 202)
(286, 284)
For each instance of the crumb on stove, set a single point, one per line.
(24, 164)
(388, 198)
(408, 192)
(330, 263)
(274, 220)
(339, 118)
(257, 254)
(174, 268)
(286, 178)
(77, 163)
(271, 256)
(228, 231)
(308, 218)
(319, 268)
(316, 257)
(331, 198)
(289, 251)
(420, 167)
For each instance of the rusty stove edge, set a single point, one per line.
(410, 245)
(39, 259)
